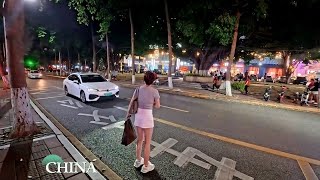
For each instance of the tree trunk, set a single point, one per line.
(175, 65)
(108, 58)
(94, 53)
(132, 48)
(23, 124)
(232, 52)
(286, 65)
(169, 44)
(3, 71)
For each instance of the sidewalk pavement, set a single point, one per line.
(219, 95)
(22, 159)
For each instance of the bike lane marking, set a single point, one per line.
(241, 143)
(52, 97)
(302, 161)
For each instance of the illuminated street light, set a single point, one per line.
(198, 54)
(184, 51)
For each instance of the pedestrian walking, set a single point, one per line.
(265, 78)
(148, 98)
(247, 84)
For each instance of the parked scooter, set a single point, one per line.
(156, 82)
(267, 94)
(281, 94)
(305, 97)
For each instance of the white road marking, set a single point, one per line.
(52, 97)
(78, 104)
(226, 168)
(114, 125)
(307, 171)
(99, 123)
(97, 117)
(121, 108)
(65, 101)
(69, 106)
(58, 87)
(181, 158)
(41, 92)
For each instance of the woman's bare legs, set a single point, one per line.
(148, 137)
(139, 143)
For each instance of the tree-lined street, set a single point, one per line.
(184, 123)
(214, 64)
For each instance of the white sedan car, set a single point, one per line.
(89, 87)
(34, 74)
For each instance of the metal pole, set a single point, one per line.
(319, 95)
(85, 65)
(60, 64)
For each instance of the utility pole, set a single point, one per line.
(60, 63)
(170, 84)
(132, 49)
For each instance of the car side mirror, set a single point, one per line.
(76, 81)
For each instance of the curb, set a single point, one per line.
(87, 154)
(228, 99)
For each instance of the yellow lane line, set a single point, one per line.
(241, 143)
(307, 171)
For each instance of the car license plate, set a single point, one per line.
(108, 94)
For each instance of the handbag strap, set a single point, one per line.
(137, 93)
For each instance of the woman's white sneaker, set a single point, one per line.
(138, 163)
(147, 169)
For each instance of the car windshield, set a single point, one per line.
(34, 71)
(92, 78)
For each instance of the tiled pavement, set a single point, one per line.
(19, 157)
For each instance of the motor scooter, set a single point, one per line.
(156, 82)
(305, 97)
(267, 94)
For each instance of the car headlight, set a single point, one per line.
(90, 89)
(117, 87)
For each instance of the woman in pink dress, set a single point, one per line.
(147, 99)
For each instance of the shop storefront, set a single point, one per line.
(273, 67)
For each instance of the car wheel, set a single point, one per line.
(83, 97)
(66, 92)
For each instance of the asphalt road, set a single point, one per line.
(215, 132)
